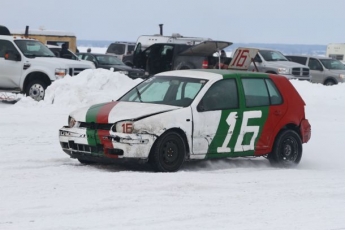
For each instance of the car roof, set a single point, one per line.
(211, 74)
(309, 56)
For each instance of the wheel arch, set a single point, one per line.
(181, 133)
(36, 76)
(330, 78)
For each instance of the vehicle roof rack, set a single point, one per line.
(4, 30)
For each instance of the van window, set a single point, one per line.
(117, 48)
(255, 91)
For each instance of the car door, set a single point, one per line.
(316, 70)
(215, 118)
(10, 70)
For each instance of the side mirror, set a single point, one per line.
(11, 56)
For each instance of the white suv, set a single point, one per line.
(28, 66)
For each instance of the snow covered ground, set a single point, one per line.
(42, 188)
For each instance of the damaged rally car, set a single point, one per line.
(193, 114)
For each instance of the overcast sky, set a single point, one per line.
(261, 21)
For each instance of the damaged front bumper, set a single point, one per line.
(104, 143)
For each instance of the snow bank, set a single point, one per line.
(89, 87)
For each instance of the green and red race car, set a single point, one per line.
(191, 115)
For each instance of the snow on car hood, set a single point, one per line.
(117, 111)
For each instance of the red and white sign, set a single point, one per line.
(242, 58)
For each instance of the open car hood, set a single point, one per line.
(205, 48)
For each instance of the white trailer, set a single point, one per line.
(336, 51)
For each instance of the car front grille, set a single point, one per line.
(81, 148)
(300, 72)
(75, 71)
(92, 125)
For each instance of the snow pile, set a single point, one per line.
(89, 87)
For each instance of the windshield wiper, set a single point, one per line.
(138, 93)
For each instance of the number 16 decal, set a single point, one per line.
(231, 120)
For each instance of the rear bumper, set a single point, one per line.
(305, 130)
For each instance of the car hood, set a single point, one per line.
(68, 62)
(122, 67)
(118, 111)
(286, 64)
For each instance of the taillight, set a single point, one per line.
(205, 64)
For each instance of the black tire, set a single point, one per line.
(168, 153)
(287, 149)
(36, 89)
(330, 82)
(86, 162)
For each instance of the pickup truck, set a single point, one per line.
(28, 66)
(161, 57)
(268, 61)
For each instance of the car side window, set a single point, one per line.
(221, 95)
(314, 64)
(255, 91)
(7, 46)
(89, 58)
(275, 96)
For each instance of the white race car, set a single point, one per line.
(193, 114)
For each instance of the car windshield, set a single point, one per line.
(118, 49)
(176, 91)
(108, 60)
(332, 64)
(32, 48)
(271, 55)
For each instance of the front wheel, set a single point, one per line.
(287, 149)
(168, 153)
(36, 89)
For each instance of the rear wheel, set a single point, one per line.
(36, 89)
(168, 153)
(287, 149)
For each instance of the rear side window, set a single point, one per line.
(261, 92)
(275, 96)
(255, 91)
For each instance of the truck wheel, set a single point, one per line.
(168, 153)
(36, 89)
(330, 82)
(287, 149)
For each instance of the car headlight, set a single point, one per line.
(72, 123)
(60, 73)
(123, 127)
(342, 76)
(283, 70)
(123, 72)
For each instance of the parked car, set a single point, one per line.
(119, 49)
(191, 115)
(107, 61)
(324, 70)
(272, 61)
